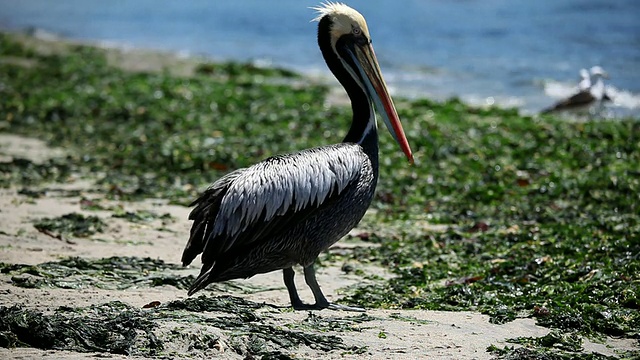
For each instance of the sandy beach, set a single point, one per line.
(408, 334)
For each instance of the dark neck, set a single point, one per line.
(363, 128)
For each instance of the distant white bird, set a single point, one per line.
(585, 80)
(598, 89)
(591, 91)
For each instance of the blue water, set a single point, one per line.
(503, 51)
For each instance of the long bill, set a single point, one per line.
(368, 65)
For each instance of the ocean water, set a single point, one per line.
(508, 52)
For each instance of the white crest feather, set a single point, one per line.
(329, 7)
(343, 20)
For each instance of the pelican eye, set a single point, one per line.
(356, 31)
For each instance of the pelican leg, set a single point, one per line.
(287, 275)
(297, 304)
(321, 301)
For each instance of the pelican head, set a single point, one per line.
(584, 74)
(349, 49)
(585, 80)
(598, 71)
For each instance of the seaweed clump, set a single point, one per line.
(188, 326)
(113, 327)
(117, 272)
(26, 172)
(73, 224)
(252, 335)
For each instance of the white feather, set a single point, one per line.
(276, 185)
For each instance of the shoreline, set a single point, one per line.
(626, 105)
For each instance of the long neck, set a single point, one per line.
(597, 89)
(363, 129)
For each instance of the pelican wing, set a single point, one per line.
(579, 99)
(252, 203)
(207, 207)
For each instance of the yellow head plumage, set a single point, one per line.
(344, 20)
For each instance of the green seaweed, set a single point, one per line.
(92, 204)
(73, 224)
(247, 324)
(142, 216)
(106, 273)
(240, 307)
(410, 319)
(512, 275)
(113, 327)
(32, 193)
(318, 322)
(237, 70)
(121, 329)
(554, 339)
(150, 134)
(511, 353)
(24, 172)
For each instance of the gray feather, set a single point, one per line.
(276, 185)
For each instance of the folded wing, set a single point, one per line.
(256, 202)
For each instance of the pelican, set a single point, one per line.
(598, 90)
(287, 209)
(585, 80)
(591, 91)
